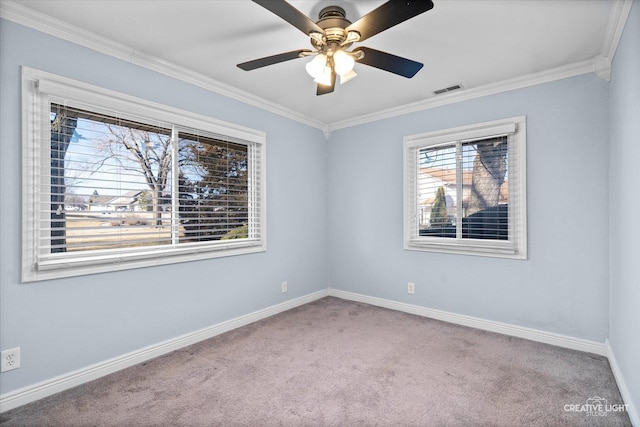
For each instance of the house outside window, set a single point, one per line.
(464, 190)
(114, 182)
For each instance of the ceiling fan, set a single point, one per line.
(333, 34)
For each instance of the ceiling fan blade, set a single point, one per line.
(274, 59)
(389, 14)
(385, 61)
(290, 14)
(324, 89)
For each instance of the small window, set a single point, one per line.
(113, 182)
(465, 190)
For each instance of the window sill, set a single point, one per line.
(480, 248)
(54, 269)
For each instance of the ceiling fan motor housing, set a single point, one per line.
(333, 12)
(333, 22)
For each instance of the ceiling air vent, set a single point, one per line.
(447, 89)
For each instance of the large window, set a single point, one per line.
(113, 182)
(465, 190)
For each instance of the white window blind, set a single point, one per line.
(108, 188)
(465, 190)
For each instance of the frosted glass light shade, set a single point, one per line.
(325, 77)
(343, 62)
(316, 66)
(347, 76)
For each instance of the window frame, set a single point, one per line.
(39, 90)
(516, 245)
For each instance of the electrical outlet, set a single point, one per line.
(411, 288)
(10, 359)
(284, 287)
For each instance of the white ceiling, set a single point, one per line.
(474, 43)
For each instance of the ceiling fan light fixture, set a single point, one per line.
(333, 34)
(343, 62)
(316, 66)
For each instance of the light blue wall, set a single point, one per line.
(624, 333)
(335, 218)
(64, 325)
(561, 288)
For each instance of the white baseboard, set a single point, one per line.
(603, 349)
(632, 411)
(55, 385)
(476, 322)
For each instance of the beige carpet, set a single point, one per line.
(341, 363)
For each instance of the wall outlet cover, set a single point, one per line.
(10, 359)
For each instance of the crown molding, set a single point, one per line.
(24, 16)
(600, 65)
(571, 70)
(617, 20)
